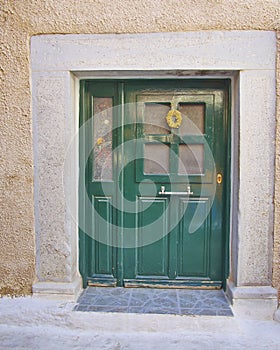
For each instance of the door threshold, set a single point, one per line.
(102, 282)
(190, 302)
(175, 284)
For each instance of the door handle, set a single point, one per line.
(187, 193)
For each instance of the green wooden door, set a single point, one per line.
(155, 182)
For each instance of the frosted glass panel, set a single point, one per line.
(156, 159)
(191, 159)
(102, 132)
(154, 118)
(193, 118)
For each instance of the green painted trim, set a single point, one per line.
(81, 216)
(227, 184)
(119, 141)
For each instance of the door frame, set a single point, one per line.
(247, 57)
(199, 83)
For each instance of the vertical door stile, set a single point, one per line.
(120, 183)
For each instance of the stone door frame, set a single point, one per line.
(246, 57)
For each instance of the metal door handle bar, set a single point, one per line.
(187, 193)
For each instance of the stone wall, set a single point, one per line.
(19, 20)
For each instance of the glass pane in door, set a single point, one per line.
(156, 159)
(102, 138)
(154, 118)
(193, 115)
(191, 159)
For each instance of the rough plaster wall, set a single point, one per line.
(16, 178)
(276, 262)
(21, 19)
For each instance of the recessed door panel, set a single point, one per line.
(152, 259)
(193, 250)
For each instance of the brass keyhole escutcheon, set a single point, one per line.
(219, 178)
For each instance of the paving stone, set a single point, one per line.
(152, 300)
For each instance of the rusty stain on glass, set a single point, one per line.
(102, 136)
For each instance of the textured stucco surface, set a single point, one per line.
(19, 20)
(276, 262)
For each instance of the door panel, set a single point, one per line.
(102, 214)
(193, 250)
(138, 234)
(152, 260)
